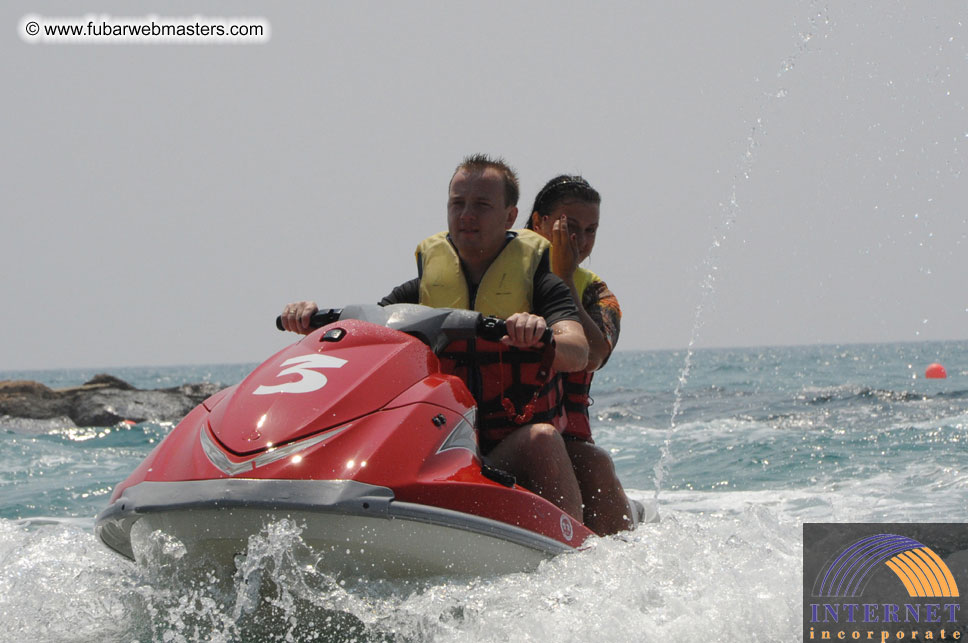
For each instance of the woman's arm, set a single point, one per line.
(564, 263)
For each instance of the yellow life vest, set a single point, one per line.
(583, 278)
(506, 288)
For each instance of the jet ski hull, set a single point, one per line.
(351, 527)
(356, 435)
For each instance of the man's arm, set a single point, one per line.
(296, 316)
(554, 302)
(598, 347)
(405, 293)
(571, 347)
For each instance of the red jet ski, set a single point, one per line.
(356, 435)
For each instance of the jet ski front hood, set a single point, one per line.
(338, 373)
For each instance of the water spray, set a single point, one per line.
(819, 24)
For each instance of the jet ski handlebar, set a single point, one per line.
(435, 327)
(494, 328)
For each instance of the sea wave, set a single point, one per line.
(848, 393)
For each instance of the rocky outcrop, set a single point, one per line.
(103, 401)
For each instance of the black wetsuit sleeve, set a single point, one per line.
(405, 293)
(552, 298)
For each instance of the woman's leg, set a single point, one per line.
(606, 506)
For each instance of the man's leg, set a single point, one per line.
(606, 506)
(537, 457)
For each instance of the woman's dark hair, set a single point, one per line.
(561, 189)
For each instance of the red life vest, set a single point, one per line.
(513, 387)
(577, 400)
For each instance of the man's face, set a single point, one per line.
(477, 216)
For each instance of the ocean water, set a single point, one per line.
(765, 439)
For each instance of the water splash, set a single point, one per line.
(279, 592)
(656, 583)
(819, 24)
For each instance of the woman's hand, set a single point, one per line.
(564, 251)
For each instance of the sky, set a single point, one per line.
(772, 173)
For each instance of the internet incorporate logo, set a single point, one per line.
(882, 582)
(921, 571)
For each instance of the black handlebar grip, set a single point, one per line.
(319, 319)
(493, 329)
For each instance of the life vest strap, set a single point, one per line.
(576, 388)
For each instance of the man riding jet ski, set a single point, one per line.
(363, 435)
(479, 264)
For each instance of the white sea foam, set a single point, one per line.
(881, 497)
(723, 565)
(688, 576)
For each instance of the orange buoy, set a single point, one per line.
(935, 371)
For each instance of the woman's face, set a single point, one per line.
(582, 221)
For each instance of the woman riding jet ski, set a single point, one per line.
(355, 434)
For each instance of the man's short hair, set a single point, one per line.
(481, 162)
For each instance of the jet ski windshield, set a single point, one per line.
(435, 327)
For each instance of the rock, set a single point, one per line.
(32, 400)
(201, 390)
(26, 387)
(109, 406)
(102, 401)
(110, 381)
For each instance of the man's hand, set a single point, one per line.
(296, 316)
(571, 348)
(524, 330)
